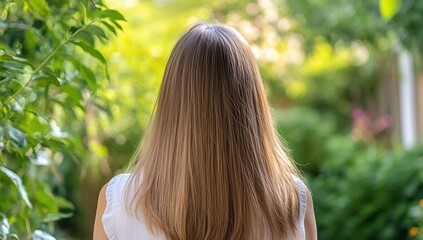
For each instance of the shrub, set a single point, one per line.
(45, 90)
(360, 191)
(366, 193)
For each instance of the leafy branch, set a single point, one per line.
(45, 61)
(29, 135)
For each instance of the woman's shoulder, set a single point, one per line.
(118, 222)
(108, 201)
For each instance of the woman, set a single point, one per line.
(211, 165)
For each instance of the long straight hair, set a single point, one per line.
(211, 163)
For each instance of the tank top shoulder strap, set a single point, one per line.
(114, 198)
(303, 202)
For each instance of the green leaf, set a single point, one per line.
(112, 14)
(86, 37)
(23, 60)
(31, 39)
(86, 74)
(83, 11)
(18, 137)
(116, 24)
(44, 198)
(17, 66)
(92, 51)
(35, 123)
(96, 31)
(64, 25)
(109, 26)
(7, 57)
(388, 8)
(53, 217)
(74, 95)
(63, 203)
(39, 7)
(45, 80)
(14, 85)
(18, 183)
(89, 77)
(41, 235)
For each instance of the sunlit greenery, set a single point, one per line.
(47, 97)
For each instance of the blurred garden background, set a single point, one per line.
(79, 79)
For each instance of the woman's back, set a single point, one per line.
(118, 224)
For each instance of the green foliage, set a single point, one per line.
(331, 79)
(297, 126)
(374, 188)
(406, 23)
(371, 190)
(337, 21)
(365, 21)
(416, 213)
(368, 190)
(44, 81)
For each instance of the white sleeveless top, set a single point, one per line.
(120, 225)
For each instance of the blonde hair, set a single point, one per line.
(211, 163)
